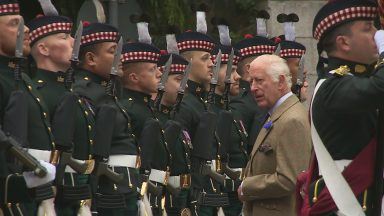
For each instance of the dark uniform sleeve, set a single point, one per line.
(185, 117)
(358, 94)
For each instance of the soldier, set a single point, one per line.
(140, 79)
(51, 49)
(114, 144)
(180, 177)
(33, 131)
(196, 47)
(344, 113)
(236, 156)
(244, 104)
(292, 51)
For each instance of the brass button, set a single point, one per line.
(91, 141)
(79, 101)
(86, 113)
(89, 127)
(49, 129)
(30, 88)
(38, 100)
(86, 78)
(45, 114)
(40, 81)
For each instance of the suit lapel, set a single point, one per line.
(292, 100)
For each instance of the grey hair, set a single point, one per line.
(276, 66)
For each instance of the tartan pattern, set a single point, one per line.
(291, 52)
(9, 8)
(257, 50)
(195, 44)
(175, 68)
(225, 58)
(343, 15)
(99, 36)
(47, 29)
(140, 56)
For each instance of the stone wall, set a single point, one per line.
(306, 10)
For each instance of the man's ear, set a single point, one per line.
(133, 77)
(343, 43)
(43, 50)
(89, 59)
(282, 81)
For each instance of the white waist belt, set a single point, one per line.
(158, 176)
(174, 181)
(44, 155)
(341, 164)
(68, 169)
(213, 165)
(123, 160)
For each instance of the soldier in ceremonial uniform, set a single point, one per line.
(114, 142)
(51, 49)
(196, 47)
(344, 112)
(140, 80)
(244, 104)
(180, 177)
(33, 131)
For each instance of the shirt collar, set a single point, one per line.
(279, 102)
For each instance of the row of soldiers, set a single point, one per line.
(125, 129)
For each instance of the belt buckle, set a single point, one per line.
(185, 180)
(90, 166)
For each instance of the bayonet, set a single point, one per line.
(300, 77)
(110, 88)
(19, 52)
(229, 67)
(216, 69)
(20, 39)
(300, 72)
(163, 80)
(278, 50)
(184, 81)
(74, 57)
(180, 92)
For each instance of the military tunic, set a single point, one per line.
(91, 88)
(138, 105)
(39, 131)
(345, 114)
(51, 86)
(246, 109)
(180, 166)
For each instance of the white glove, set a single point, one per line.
(379, 39)
(34, 181)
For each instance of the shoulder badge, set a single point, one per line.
(342, 70)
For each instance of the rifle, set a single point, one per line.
(224, 124)
(161, 86)
(63, 125)
(300, 78)
(111, 86)
(74, 58)
(150, 137)
(181, 90)
(9, 144)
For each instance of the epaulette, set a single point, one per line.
(341, 71)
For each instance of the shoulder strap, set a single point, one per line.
(338, 187)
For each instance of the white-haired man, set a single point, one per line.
(282, 148)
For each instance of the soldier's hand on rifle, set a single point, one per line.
(33, 181)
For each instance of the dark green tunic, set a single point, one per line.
(345, 111)
(245, 108)
(39, 130)
(91, 88)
